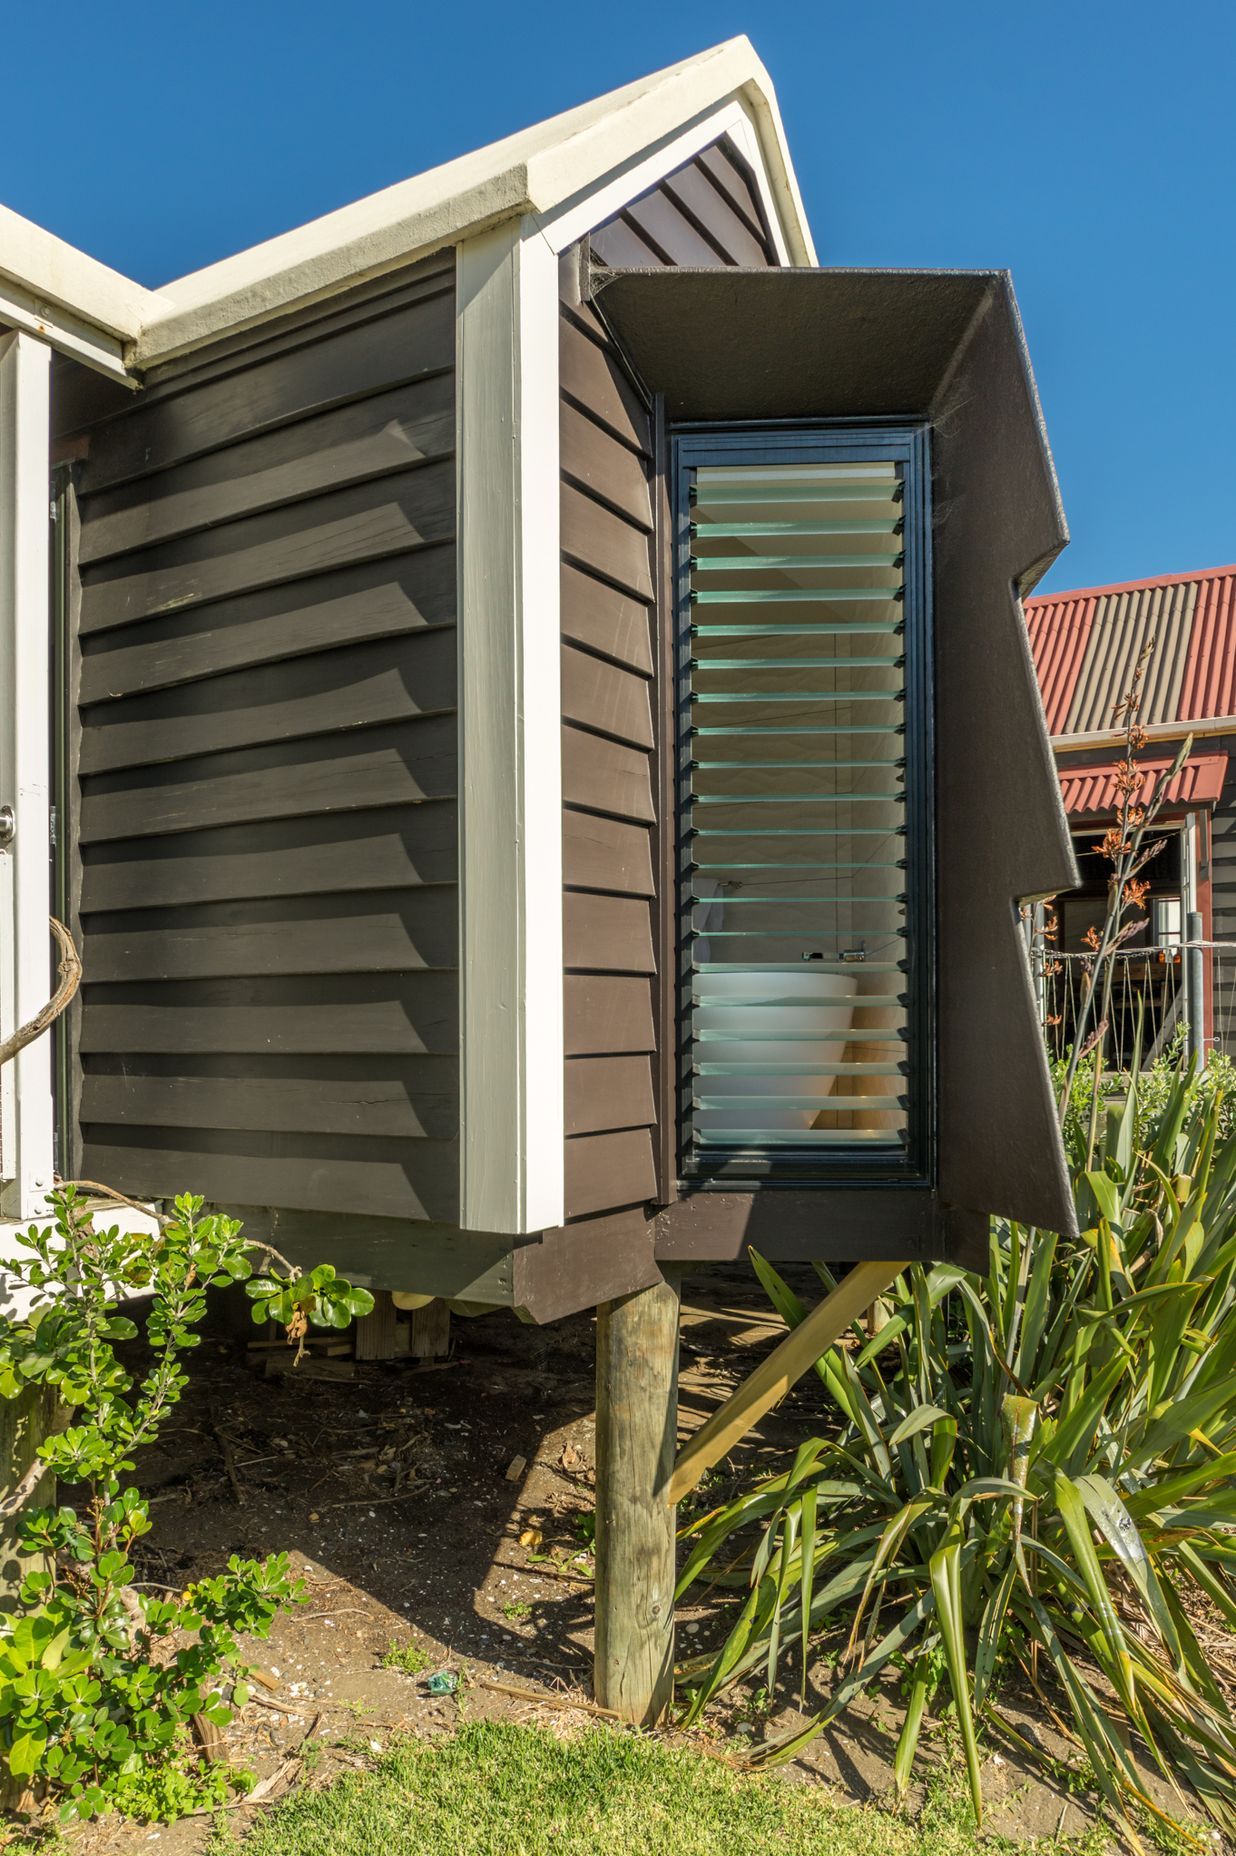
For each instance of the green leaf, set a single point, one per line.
(1119, 1529)
(921, 1682)
(921, 1418)
(26, 1752)
(945, 1565)
(1118, 1662)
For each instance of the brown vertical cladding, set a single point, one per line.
(265, 766)
(707, 213)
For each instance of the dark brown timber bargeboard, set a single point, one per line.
(264, 761)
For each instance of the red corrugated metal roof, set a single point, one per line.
(1091, 791)
(1086, 643)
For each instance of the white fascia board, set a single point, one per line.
(80, 307)
(539, 172)
(774, 170)
(510, 807)
(26, 1112)
(582, 215)
(62, 330)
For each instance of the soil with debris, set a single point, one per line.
(444, 1511)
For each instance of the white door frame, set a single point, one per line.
(27, 1116)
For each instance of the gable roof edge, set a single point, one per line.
(534, 172)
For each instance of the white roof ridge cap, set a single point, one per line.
(549, 184)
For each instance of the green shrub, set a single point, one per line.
(1156, 1085)
(1031, 1486)
(102, 1685)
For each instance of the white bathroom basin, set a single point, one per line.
(778, 1020)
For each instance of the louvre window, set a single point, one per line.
(803, 745)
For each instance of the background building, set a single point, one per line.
(1087, 645)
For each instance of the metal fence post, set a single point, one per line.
(1195, 999)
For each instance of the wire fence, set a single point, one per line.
(1150, 986)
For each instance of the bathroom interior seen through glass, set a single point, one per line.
(794, 771)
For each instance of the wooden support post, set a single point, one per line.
(431, 1331)
(377, 1333)
(637, 1422)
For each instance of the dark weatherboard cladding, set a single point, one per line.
(262, 757)
(264, 747)
(708, 212)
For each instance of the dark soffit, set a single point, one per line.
(733, 344)
(771, 344)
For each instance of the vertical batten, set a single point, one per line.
(25, 1086)
(510, 817)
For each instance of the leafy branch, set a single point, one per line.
(102, 1687)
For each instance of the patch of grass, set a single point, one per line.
(498, 1789)
(516, 1609)
(408, 1658)
(32, 1840)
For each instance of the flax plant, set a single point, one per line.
(1028, 1494)
(1031, 1492)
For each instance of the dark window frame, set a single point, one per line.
(908, 443)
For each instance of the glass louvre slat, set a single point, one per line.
(797, 1037)
(789, 595)
(697, 901)
(850, 490)
(704, 996)
(752, 563)
(744, 934)
(765, 696)
(739, 1068)
(787, 766)
(842, 628)
(807, 831)
(795, 799)
(795, 663)
(811, 1137)
(735, 531)
(796, 966)
(807, 868)
(812, 1009)
(839, 1106)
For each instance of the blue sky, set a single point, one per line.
(1087, 145)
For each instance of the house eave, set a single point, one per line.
(536, 172)
(57, 291)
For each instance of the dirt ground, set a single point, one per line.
(400, 1495)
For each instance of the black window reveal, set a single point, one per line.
(804, 767)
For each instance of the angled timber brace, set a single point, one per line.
(773, 1377)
